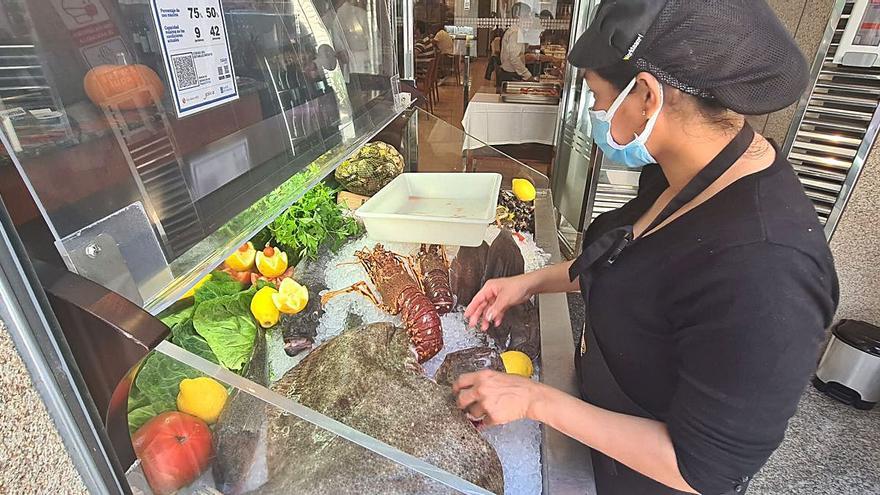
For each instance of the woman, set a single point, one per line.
(709, 294)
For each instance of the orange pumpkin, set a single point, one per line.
(126, 86)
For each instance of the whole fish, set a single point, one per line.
(367, 378)
(467, 361)
(466, 272)
(299, 330)
(239, 438)
(473, 267)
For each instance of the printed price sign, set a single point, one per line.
(196, 53)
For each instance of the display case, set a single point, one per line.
(156, 137)
(352, 406)
(141, 196)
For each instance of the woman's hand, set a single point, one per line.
(496, 398)
(495, 298)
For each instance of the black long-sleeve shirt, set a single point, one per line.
(713, 323)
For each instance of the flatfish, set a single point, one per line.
(367, 378)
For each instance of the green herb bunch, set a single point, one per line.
(314, 219)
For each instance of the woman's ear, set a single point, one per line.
(650, 93)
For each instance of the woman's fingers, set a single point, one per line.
(473, 305)
(466, 380)
(495, 398)
(484, 297)
(476, 313)
(488, 421)
(466, 398)
(476, 412)
(498, 318)
(486, 294)
(495, 314)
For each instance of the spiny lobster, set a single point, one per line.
(432, 268)
(400, 294)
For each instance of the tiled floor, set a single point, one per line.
(441, 138)
(450, 106)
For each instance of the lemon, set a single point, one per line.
(192, 290)
(242, 259)
(291, 297)
(201, 397)
(523, 190)
(517, 363)
(263, 308)
(271, 262)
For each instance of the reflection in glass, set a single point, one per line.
(88, 114)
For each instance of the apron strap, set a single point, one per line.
(708, 175)
(598, 383)
(612, 243)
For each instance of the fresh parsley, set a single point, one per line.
(314, 219)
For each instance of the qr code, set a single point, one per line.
(185, 71)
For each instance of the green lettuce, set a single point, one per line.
(227, 326)
(173, 318)
(140, 415)
(156, 387)
(184, 335)
(221, 284)
(218, 326)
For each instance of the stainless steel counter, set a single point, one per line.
(565, 462)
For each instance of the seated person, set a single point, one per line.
(424, 50)
(444, 41)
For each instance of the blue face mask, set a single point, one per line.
(633, 154)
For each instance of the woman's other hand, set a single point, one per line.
(496, 398)
(494, 299)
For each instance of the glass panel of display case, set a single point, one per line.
(574, 161)
(201, 428)
(105, 110)
(442, 147)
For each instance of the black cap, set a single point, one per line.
(734, 51)
(615, 34)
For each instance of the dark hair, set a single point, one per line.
(520, 9)
(621, 73)
(545, 14)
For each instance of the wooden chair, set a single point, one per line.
(427, 82)
(454, 63)
(422, 83)
(434, 70)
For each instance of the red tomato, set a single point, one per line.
(174, 449)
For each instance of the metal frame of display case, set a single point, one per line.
(565, 462)
(576, 160)
(38, 337)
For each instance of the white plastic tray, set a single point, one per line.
(452, 209)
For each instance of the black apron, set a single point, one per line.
(598, 385)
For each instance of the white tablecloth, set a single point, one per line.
(492, 121)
